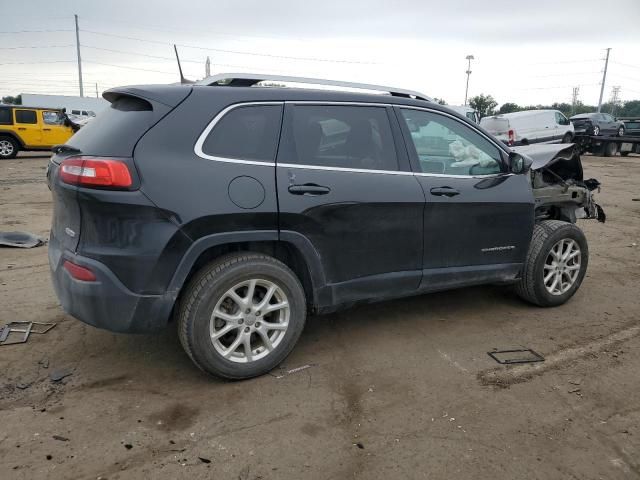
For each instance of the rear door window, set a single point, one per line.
(448, 147)
(357, 137)
(246, 133)
(26, 116)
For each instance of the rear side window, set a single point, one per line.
(26, 116)
(340, 136)
(246, 133)
(5, 116)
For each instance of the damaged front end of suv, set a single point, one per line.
(559, 188)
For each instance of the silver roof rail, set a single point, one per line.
(250, 79)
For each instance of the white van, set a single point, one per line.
(468, 112)
(530, 126)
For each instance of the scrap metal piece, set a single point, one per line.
(9, 328)
(508, 357)
(24, 328)
(20, 240)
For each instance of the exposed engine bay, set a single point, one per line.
(559, 189)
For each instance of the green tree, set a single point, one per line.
(17, 100)
(483, 104)
(509, 107)
(439, 101)
(630, 109)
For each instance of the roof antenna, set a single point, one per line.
(183, 80)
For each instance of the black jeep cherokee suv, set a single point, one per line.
(237, 209)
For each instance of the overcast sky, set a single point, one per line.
(528, 54)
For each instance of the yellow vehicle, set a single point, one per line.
(31, 128)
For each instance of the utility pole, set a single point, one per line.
(207, 68)
(604, 77)
(466, 91)
(574, 99)
(79, 60)
(96, 89)
(615, 97)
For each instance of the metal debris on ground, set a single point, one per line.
(507, 357)
(292, 371)
(59, 374)
(18, 332)
(20, 240)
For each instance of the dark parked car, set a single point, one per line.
(238, 210)
(631, 126)
(597, 124)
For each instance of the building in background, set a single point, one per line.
(81, 106)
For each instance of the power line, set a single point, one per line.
(35, 46)
(37, 63)
(626, 64)
(130, 68)
(34, 31)
(236, 52)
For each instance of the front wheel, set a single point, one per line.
(567, 138)
(556, 264)
(241, 315)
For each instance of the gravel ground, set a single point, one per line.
(402, 389)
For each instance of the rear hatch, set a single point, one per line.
(496, 126)
(114, 133)
(581, 123)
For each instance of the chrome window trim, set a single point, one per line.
(205, 133)
(203, 136)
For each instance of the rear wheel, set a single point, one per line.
(556, 264)
(621, 132)
(610, 149)
(8, 147)
(241, 315)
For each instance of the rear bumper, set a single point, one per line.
(105, 303)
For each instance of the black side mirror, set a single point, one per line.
(519, 163)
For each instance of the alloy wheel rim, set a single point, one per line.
(6, 148)
(249, 321)
(562, 266)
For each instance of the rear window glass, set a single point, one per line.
(26, 116)
(116, 130)
(246, 133)
(632, 125)
(5, 116)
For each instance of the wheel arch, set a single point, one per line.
(9, 133)
(293, 249)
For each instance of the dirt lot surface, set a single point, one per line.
(403, 389)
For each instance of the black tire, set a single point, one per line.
(546, 234)
(209, 285)
(567, 138)
(596, 130)
(610, 149)
(624, 154)
(621, 132)
(9, 148)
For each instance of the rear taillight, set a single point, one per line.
(512, 137)
(96, 172)
(78, 272)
